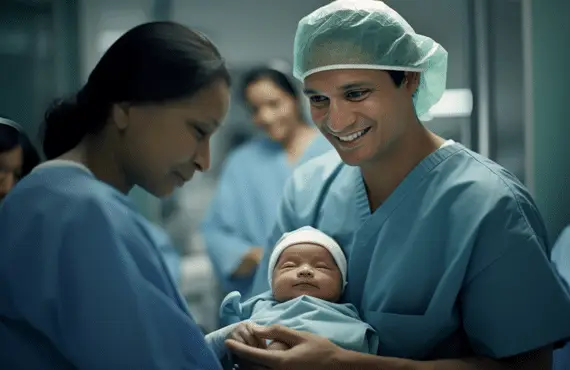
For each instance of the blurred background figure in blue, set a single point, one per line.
(17, 155)
(250, 186)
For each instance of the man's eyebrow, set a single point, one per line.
(354, 85)
(347, 86)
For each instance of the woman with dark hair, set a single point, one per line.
(17, 155)
(82, 280)
(244, 207)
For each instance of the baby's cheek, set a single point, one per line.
(333, 289)
(282, 290)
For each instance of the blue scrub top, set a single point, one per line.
(83, 284)
(453, 264)
(244, 207)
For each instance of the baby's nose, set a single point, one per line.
(305, 271)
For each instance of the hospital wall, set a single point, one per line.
(548, 99)
(38, 58)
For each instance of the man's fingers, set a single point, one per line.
(254, 355)
(237, 336)
(259, 342)
(279, 333)
(253, 339)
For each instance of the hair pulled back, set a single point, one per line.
(152, 63)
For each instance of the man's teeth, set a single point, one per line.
(352, 137)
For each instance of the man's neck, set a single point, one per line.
(384, 175)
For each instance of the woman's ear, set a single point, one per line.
(120, 115)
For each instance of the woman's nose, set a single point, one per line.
(203, 156)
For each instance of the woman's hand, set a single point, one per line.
(307, 351)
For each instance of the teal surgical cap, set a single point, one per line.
(367, 34)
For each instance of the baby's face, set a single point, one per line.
(306, 269)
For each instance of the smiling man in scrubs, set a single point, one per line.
(447, 252)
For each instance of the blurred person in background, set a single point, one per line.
(244, 206)
(17, 155)
(82, 278)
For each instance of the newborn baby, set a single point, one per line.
(307, 275)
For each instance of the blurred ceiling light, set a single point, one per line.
(453, 103)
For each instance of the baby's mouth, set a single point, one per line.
(305, 284)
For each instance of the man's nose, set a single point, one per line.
(339, 117)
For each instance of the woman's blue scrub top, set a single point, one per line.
(83, 284)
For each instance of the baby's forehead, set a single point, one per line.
(306, 249)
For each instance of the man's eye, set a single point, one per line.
(357, 94)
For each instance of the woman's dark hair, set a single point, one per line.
(11, 137)
(282, 80)
(152, 63)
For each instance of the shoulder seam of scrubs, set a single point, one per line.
(511, 192)
(490, 264)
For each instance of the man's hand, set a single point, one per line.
(244, 333)
(307, 351)
(277, 346)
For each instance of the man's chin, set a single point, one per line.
(353, 158)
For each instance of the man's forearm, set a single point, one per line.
(536, 360)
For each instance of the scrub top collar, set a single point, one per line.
(63, 163)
